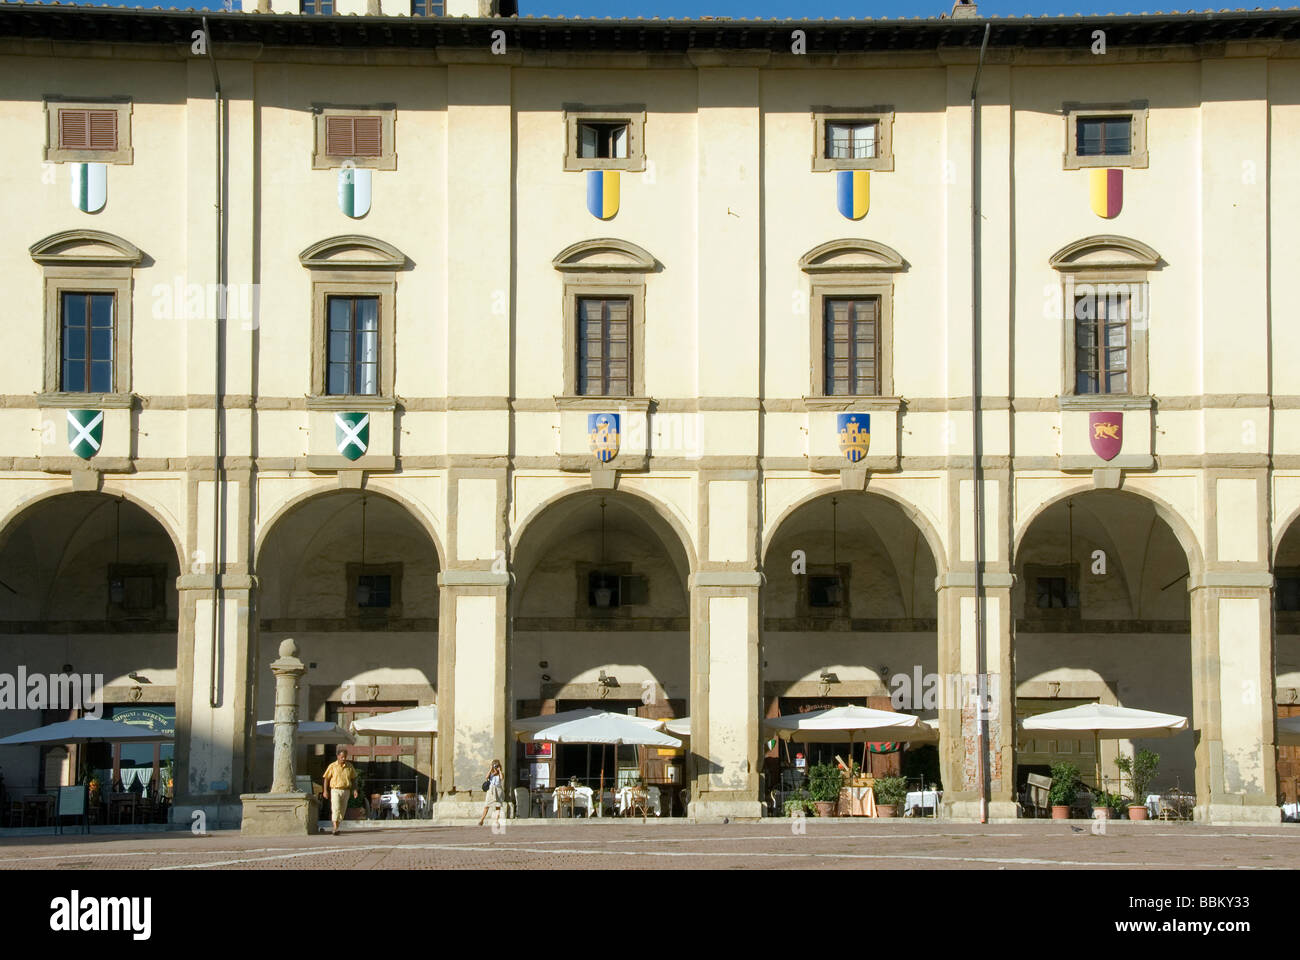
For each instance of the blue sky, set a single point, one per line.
(796, 9)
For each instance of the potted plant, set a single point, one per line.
(799, 804)
(356, 808)
(891, 794)
(1140, 770)
(824, 784)
(1106, 806)
(1060, 797)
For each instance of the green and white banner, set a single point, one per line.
(352, 433)
(85, 432)
(354, 192)
(89, 186)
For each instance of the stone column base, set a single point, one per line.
(279, 814)
(969, 810)
(222, 814)
(713, 811)
(458, 810)
(1227, 813)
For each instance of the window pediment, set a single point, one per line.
(1105, 252)
(852, 256)
(352, 251)
(71, 247)
(605, 256)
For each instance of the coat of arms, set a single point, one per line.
(352, 433)
(855, 435)
(1106, 434)
(85, 432)
(602, 435)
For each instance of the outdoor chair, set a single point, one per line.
(1037, 789)
(523, 802)
(377, 807)
(564, 798)
(409, 805)
(640, 800)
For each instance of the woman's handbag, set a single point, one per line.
(486, 785)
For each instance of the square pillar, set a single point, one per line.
(1234, 712)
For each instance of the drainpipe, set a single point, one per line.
(218, 490)
(977, 437)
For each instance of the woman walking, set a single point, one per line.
(494, 791)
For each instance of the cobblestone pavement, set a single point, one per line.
(766, 845)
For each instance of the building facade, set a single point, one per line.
(707, 368)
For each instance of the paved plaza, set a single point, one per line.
(607, 845)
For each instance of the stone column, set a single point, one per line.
(288, 670)
(284, 811)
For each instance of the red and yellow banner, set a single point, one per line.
(1107, 192)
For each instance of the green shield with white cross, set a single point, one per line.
(85, 432)
(352, 433)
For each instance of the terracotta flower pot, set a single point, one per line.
(1137, 812)
(886, 810)
(1101, 813)
(354, 813)
(825, 808)
(1060, 811)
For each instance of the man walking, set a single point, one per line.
(340, 781)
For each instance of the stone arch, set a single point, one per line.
(352, 250)
(605, 255)
(851, 254)
(112, 490)
(1182, 530)
(82, 246)
(658, 515)
(910, 510)
(422, 520)
(1105, 251)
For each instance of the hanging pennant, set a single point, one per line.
(602, 193)
(89, 186)
(1107, 192)
(354, 191)
(853, 193)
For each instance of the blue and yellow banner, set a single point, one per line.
(853, 193)
(602, 193)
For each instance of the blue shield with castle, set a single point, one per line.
(602, 435)
(854, 430)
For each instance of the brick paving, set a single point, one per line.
(766, 845)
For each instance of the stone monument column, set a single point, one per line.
(284, 811)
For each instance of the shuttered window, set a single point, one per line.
(602, 140)
(317, 6)
(87, 129)
(353, 347)
(1101, 343)
(604, 347)
(852, 338)
(86, 342)
(353, 136)
(426, 8)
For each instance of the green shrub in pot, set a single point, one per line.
(825, 782)
(1065, 784)
(891, 791)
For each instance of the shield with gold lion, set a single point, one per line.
(1106, 434)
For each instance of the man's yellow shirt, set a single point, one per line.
(341, 776)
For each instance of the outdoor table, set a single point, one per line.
(922, 800)
(582, 797)
(1153, 805)
(393, 801)
(119, 802)
(652, 800)
(860, 801)
(41, 805)
(1291, 811)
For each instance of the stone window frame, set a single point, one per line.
(851, 268)
(123, 155)
(338, 269)
(387, 159)
(157, 572)
(1098, 261)
(803, 604)
(1071, 573)
(603, 268)
(1137, 158)
(393, 571)
(881, 115)
(633, 114)
(66, 269)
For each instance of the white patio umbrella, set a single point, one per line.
(525, 727)
(603, 728)
(401, 723)
(309, 731)
(1288, 732)
(679, 727)
(848, 725)
(86, 730)
(1105, 722)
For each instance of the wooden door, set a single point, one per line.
(1042, 752)
(1288, 760)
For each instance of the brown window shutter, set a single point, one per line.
(339, 137)
(74, 129)
(103, 129)
(367, 136)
